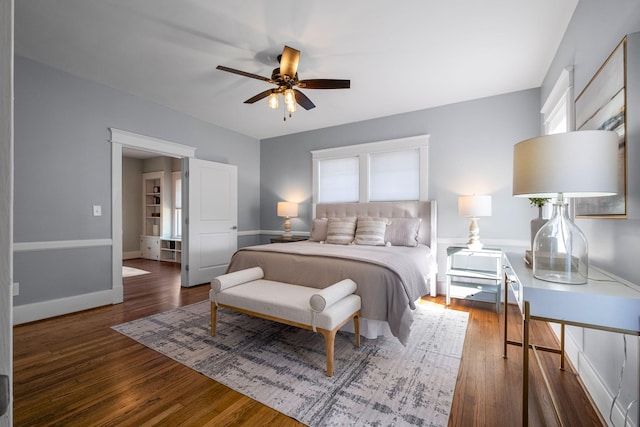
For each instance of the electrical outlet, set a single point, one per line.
(16, 289)
(97, 210)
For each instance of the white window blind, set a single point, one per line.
(338, 180)
(394, 175)
(376, 171)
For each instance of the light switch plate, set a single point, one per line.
(97, 210)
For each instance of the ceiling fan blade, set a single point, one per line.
(243, 73)
(259, 96)
(289, 62)
(325, 84)
(302, 99)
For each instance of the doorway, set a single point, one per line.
(119, 140)
(210, 237)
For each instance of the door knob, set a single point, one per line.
(235, 227)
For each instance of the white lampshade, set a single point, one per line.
(287, 209)
(572, 164)
(471, 206)
(577, 164)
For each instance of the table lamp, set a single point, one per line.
(474, 207)
(287, 210)
(572, 164)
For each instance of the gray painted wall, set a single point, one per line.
(592, 35)
(131, 204)
(470, 151)
(595, 30)
(471, 146)
(63, 167)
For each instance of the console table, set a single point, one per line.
(603, 303)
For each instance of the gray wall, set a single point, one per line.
(131, 204)
(592, 35)
(470, 151)
(595, 30)
(471, 148)
(63, 167)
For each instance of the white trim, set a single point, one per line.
(371, 147)
(131, 255)
(143, 142)
(116, 221)
(45, 309)
(499, 243)
(591, 379)
(560, 96)
(119, 139)
(281, 232)
(362, 152)
(59, 244)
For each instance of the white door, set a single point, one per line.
(211, 225)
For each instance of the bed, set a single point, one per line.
(391, 273)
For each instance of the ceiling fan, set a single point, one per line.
(285, 77)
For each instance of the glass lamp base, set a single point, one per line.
(560, 250)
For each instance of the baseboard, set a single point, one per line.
(592, 381)
(57, 307)
(131, 255)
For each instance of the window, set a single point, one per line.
(557, 110)
(338, 180)
(177, 203)
(557, 113)
(377, 171)
(394, 175)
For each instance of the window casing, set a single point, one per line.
(378, 171)
(557, 111)
(557, 114)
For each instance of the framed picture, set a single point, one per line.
(602, 105)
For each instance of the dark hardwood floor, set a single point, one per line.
(74, 370)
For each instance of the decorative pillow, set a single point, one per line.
(340, 231)
(403, 231)
(319, 230)
(371, 231)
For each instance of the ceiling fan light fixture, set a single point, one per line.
(289, 96)
(291, 107)
(273, 100)
(286, 81)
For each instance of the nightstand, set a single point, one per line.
(474, 274)
(289, 239)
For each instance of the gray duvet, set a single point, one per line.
(389, 279)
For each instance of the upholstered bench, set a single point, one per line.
(322, 310)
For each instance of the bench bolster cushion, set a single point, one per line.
(332, 294)
(228, 280)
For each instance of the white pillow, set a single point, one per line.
(403, 231)
(371, 231)
(340, 231)
(319, 230)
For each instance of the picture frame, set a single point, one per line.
(602, 106)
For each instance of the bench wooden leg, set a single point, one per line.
(214, 315)
(356, 328)
(329, 343)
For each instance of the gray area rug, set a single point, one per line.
(382, 383)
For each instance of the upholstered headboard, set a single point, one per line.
(407, 209)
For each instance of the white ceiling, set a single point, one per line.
(400, 56)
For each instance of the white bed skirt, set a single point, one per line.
(369, 328)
